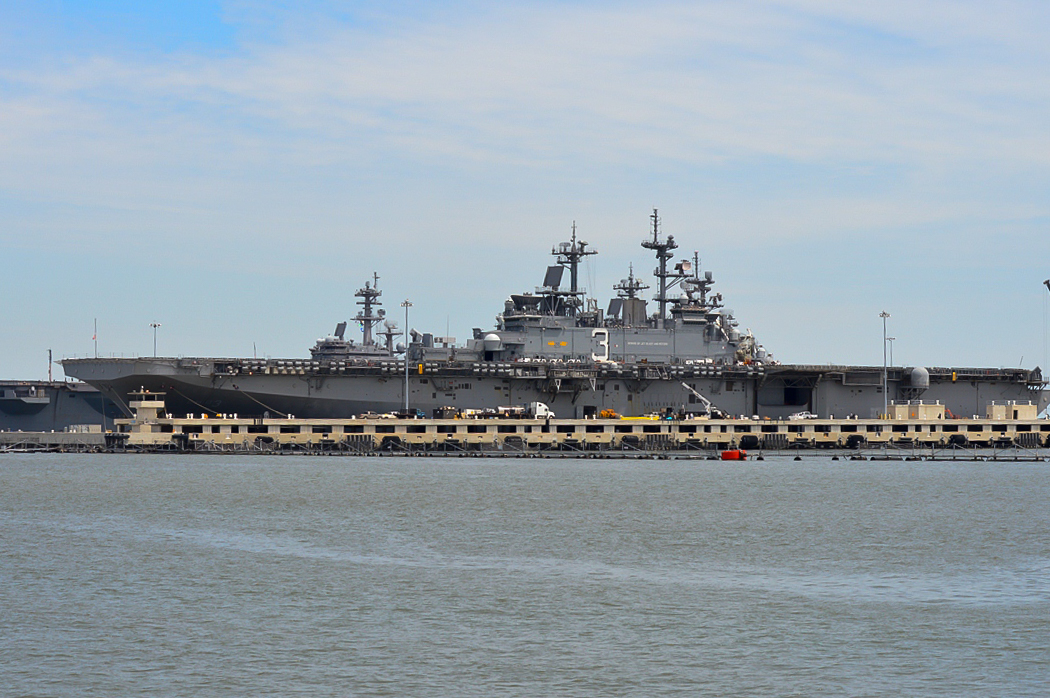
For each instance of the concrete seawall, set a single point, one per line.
(364, 435)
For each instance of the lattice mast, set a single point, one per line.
(629, 287)
(369, 296)
(568, 255)
(663, 249)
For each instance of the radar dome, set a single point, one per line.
(492, 342)
(920, 378)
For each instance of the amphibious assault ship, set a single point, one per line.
(557, 346)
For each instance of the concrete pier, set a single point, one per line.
(907, 425)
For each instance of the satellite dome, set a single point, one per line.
(920, 377)
(493, 342)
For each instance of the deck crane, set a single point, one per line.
(709, 409)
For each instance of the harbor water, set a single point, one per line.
(194, 575)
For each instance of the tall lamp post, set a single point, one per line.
(885, 395)
(406, 305)
(154, 325)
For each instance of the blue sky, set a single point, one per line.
(236, 170)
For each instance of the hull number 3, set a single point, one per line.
(603, 344)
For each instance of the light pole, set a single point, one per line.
(154, 325)
(406, 305)
(885, 395)
(891, 340)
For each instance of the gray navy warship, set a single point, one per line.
(557, 346)
(52, 406)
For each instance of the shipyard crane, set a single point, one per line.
(709, 409)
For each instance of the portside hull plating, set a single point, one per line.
(205, 386)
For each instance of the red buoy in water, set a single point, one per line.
(735, 454)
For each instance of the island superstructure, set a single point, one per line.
(556, 345)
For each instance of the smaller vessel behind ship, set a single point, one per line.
(45, 406)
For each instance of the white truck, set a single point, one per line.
(539, 410)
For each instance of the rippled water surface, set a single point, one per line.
(209, 575)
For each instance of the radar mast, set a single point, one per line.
(629, 287)
(369, 296)
(568, 256)
(663, 250)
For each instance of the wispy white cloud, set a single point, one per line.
(921, 92)
(696, 83)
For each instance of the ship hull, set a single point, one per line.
(194, 386)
